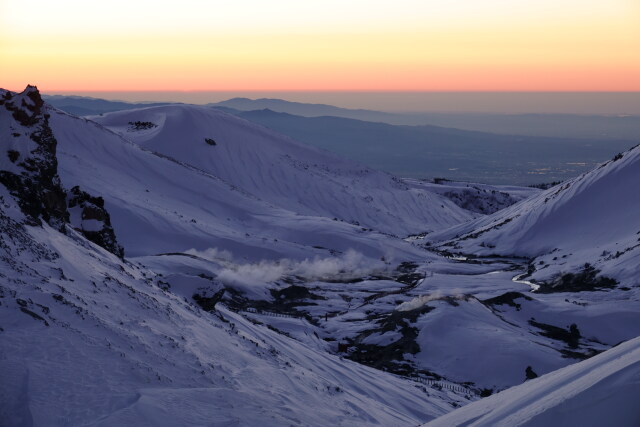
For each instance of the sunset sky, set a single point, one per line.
(354, 45)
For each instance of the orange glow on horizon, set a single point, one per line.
(536, 46)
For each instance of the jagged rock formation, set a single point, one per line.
(29, 170)
(88, 215)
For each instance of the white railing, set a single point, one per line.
(441, 385)
(252, 310)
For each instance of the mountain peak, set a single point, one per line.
(26, 106)
(32, 93)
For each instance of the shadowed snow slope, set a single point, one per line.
(89, 339)
(592, 218)
(601, 391)
(281, 171)
(160, 205)
(261, 232)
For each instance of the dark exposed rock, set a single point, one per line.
(208, 303)
(390, 357)
(92, 209)
(29, 109)
(486, 392)
(585, 280)
(294, 292)
(34, 315)
(530, 373)
(36, 185)
(546, 185)
(138, 125)
(508, 298)
(13, 155)
(34, 181)
(584, 355)
(571, 336)
(480, 200)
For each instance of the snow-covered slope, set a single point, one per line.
(480, 198)
(227, 307)
(88, 339)
(590, 219)
(283, 172)
(468, 322)
(601, 391)
(159, 205)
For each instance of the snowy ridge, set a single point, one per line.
(283, 172)
(480, 198)
(600, 391)
(159, 205)
(91, 338)
(589, 219)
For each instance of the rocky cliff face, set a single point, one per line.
(88, 215)
(29, 170)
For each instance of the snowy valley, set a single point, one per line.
(178, 265)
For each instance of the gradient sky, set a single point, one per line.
(280, 45)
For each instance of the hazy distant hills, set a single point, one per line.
(432, 151)
(557, 125)
(85, 106)
(403, 144)
(317, 110)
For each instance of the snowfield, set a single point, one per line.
(589, 219)
(283, 172)
(88, 339)
(175, 265)
(161, 205)
(601, 391)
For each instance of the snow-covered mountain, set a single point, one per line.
(283, 172)
(480, 198)
(602, 391)
(160, 205)
(145, 284)
(91, 338)
(592, 219)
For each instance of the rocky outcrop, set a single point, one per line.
(29, 170)
(30, 150)
(88, 216)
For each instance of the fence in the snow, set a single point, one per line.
(269, 313)
(441, 385)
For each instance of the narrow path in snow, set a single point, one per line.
(518, 279)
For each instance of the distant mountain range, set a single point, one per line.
(86, 106)
(432, 151)
(595, 127)
(549, 125)
(412, 151)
